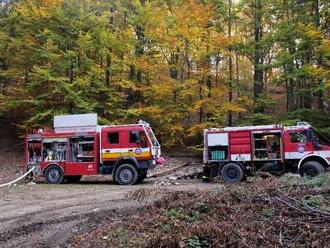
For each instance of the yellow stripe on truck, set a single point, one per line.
(121, 154)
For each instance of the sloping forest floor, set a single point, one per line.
(11, 153)
(267, 212)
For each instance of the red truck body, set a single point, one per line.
(295, 148)
(68, 152)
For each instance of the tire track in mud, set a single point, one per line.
(48, 209)
(55, 232)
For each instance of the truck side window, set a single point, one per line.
(138, 137)
(143, 139)
(298, 137)
(113, 138)
(134, 137)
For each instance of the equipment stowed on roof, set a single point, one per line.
(79, 122)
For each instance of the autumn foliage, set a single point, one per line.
(182, 65)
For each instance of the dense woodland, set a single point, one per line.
(182, 65)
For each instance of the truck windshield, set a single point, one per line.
(321, 138)
(152, 137)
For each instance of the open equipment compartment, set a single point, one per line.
(82, 149)
(34, 151)
(218, 146)
(54, 149)
(266, 145)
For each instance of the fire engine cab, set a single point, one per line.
(79, 146)
(233, 152)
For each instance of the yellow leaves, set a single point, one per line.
(245, 101)
(218, 41)
(309, 31)
(312, 33)
(325, 47)
(127, 84)
(51, 3)
(183, 24)
(317, 72)
(144, 64)
(84, 40)
(37, 9)
(163, 90)
(233, 107)
(196, 129)
(150, 111)
(327, 84)
(193, 15)
(201, 103)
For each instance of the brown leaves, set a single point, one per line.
(246, 215)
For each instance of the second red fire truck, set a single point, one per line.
(233, 152)
(78, 146)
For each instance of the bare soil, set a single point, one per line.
(11, 154)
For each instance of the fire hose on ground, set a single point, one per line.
(17, 179)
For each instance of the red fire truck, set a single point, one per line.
(233, 152)
(78, 146)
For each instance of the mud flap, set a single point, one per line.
(209, 172)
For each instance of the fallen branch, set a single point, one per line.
(291, 206)
(169, 171)
(309, 207)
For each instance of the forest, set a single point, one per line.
(182, 65)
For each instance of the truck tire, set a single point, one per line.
(126, 174)
(72, 179)
(231, 173)
(54, 174)
(311, 169)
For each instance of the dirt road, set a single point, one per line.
(43, 215)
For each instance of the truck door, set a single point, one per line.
(82, 156)
(138, 145)
(297, 144)
(111, 144)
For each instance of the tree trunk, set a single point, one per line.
(230, 66)
(108, 71)
(201, 111)
(290, 96)
(258, 55)
(319, 60)
(238, 84)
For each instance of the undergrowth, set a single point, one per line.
(272, 212)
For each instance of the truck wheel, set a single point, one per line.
(231, 173)
(54, 174)
(311, 169)
(73, 179)
(126, 174)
